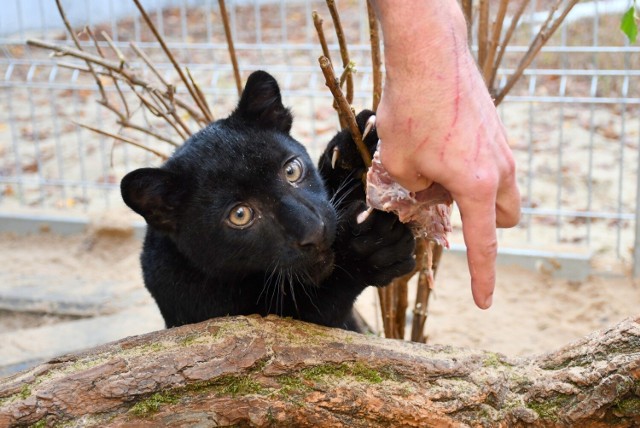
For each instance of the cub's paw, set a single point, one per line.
(341, 163)
(378, 249)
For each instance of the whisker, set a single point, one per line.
(269, 279)
(341, 194)
(293, 294)
(304, 289)
(343, 270)
(274, 294)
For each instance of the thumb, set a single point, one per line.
(400, 169)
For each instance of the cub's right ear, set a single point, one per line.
(156, 195)
(261, 103)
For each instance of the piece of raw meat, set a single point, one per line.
(427, 211)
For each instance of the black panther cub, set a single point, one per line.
(240, 222)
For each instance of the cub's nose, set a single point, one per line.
(314, 236)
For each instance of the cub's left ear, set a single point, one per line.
(261, 103)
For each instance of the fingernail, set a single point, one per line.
(488, 302)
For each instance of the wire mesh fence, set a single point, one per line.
(573, 119)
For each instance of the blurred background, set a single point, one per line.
(69, 273)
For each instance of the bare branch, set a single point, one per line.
(113, 78)
(169, 55)
(376, 57)
(123, 139)
(145, 58)
(425, 284)
(230, 45)
(546, 31)
(467, 9)
(344, 49)
(515, 19)
(159, 97)
(483, 31)
(77, 43)
(200, 94)
(317, 22)
(344, 108)
(496, 31)
(118, 52)
(97, 60)
(158, 112)
(147, 131)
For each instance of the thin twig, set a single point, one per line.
(496, 31)
(346, 72)
(344, 49)
(515, 19)
(483, 31)
(170, 93)
(120, 73)
(86, 56)
(169, 55)
(437, 256)
(201, 96)
(147, 131)
(159, 97)
(123, 139)
(77, 43)
(389, 314)
(113, 78)
(546, 31)
(384, 311)
(376, 57)
(74, 66)
(317, 23)
(344, 109)
(153, 109)
(112, 45)
(421, 246)
(194, 113)
(230, 45)
(425, 284)
(145, 58)
(401, 288)
(467, 9)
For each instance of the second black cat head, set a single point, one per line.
(241, 182)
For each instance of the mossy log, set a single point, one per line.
(252, 371)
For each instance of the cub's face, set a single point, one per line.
(242, 196)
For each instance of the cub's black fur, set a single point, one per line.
(240, 222)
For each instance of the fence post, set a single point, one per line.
(636, 244)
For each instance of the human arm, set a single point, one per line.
(437, 123)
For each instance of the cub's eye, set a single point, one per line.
(293, 170)
(241, 216)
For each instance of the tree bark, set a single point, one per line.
(252, 371)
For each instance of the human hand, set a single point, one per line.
(438, 124)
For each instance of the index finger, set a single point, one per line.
(479, 230)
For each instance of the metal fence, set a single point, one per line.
(573, 120)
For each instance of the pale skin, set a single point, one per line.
(437, 123)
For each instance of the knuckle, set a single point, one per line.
(489, 248)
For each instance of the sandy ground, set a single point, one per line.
(532, 312)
